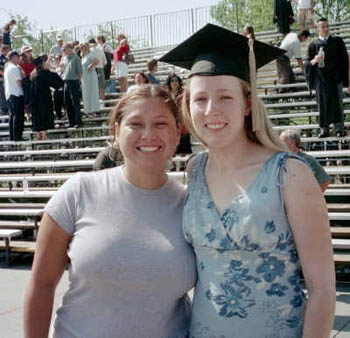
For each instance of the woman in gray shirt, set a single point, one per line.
(130, 268)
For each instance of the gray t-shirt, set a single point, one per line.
(317, 169)
(130, 265)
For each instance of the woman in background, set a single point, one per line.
(140, 78)
(89, 80)
(120, 67)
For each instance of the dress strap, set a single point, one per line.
(281, 170)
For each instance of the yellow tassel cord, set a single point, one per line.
(257, 119)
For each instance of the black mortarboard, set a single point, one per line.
(214, 50)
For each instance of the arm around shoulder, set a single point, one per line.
(308, 218)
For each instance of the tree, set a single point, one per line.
(334, 10)
(235, 14)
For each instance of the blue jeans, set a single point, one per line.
(16, 121)
(110, 87)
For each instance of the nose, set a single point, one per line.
(211, 107)
(148, 132)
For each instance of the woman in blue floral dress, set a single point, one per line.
(254, 214)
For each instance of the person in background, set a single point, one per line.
(292, 45)
(174, 85)
(152, 67)
(27, 64)
(306, 14)
(248, 32)
(121, 228)
(327, 71)
(76, 48)
(72, 74)
(102, 61)
(283, 15)
(90, 79)
(7, 33)
(41, 104)
(108, 51)
(4, 51)
(292, 139)
(140, 79)
(53, 64)
(58, 48)
(347, 90)
(14, 96)
(120, 67)
(109, 157)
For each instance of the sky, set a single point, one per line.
(65, 13)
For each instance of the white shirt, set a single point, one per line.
(323, 39)
(56, 50)
(11, 75)
(107, 48)
(292, 45)
(304, 4)
(100, 55)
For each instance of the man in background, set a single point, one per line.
(327, 71)
(57, 50)
(306, 14)
(14, 96)
(292, 139)
(292, 44)
(72, 73)
(7, 32)
(152, 67)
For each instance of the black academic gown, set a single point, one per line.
(41, 99)
(326, 80)
(284, 12)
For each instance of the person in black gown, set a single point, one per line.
(328, 74)
(42, 80)
(283, 15)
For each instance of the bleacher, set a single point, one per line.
(31, 171)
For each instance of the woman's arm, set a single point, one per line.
(49, 262)
(93, 64)
(308, 217)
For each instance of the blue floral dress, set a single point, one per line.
(248, 268)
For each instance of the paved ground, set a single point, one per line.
(13, 282)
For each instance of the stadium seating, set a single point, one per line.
(31, 171)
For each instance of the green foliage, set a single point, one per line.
(334, 10)
(23, 34)
(234, 14)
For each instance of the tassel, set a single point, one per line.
(256, 112)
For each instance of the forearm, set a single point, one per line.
(37, 310)
(319, 314)
(301, 64)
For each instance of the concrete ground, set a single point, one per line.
(13, 282)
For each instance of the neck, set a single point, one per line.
(149, 179)
(229, 158)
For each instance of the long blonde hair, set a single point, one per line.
(257, 125)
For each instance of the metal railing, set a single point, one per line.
(146, 31)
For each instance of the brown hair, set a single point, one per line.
(141, 93)
(151, 64)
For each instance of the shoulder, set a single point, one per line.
(175, 189)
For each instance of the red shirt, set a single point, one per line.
(27, 68)
(120, 52)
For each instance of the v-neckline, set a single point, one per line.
(236, 197)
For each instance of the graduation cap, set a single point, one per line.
(214, 50)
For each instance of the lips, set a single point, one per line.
(216, 126)
(149, 149)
